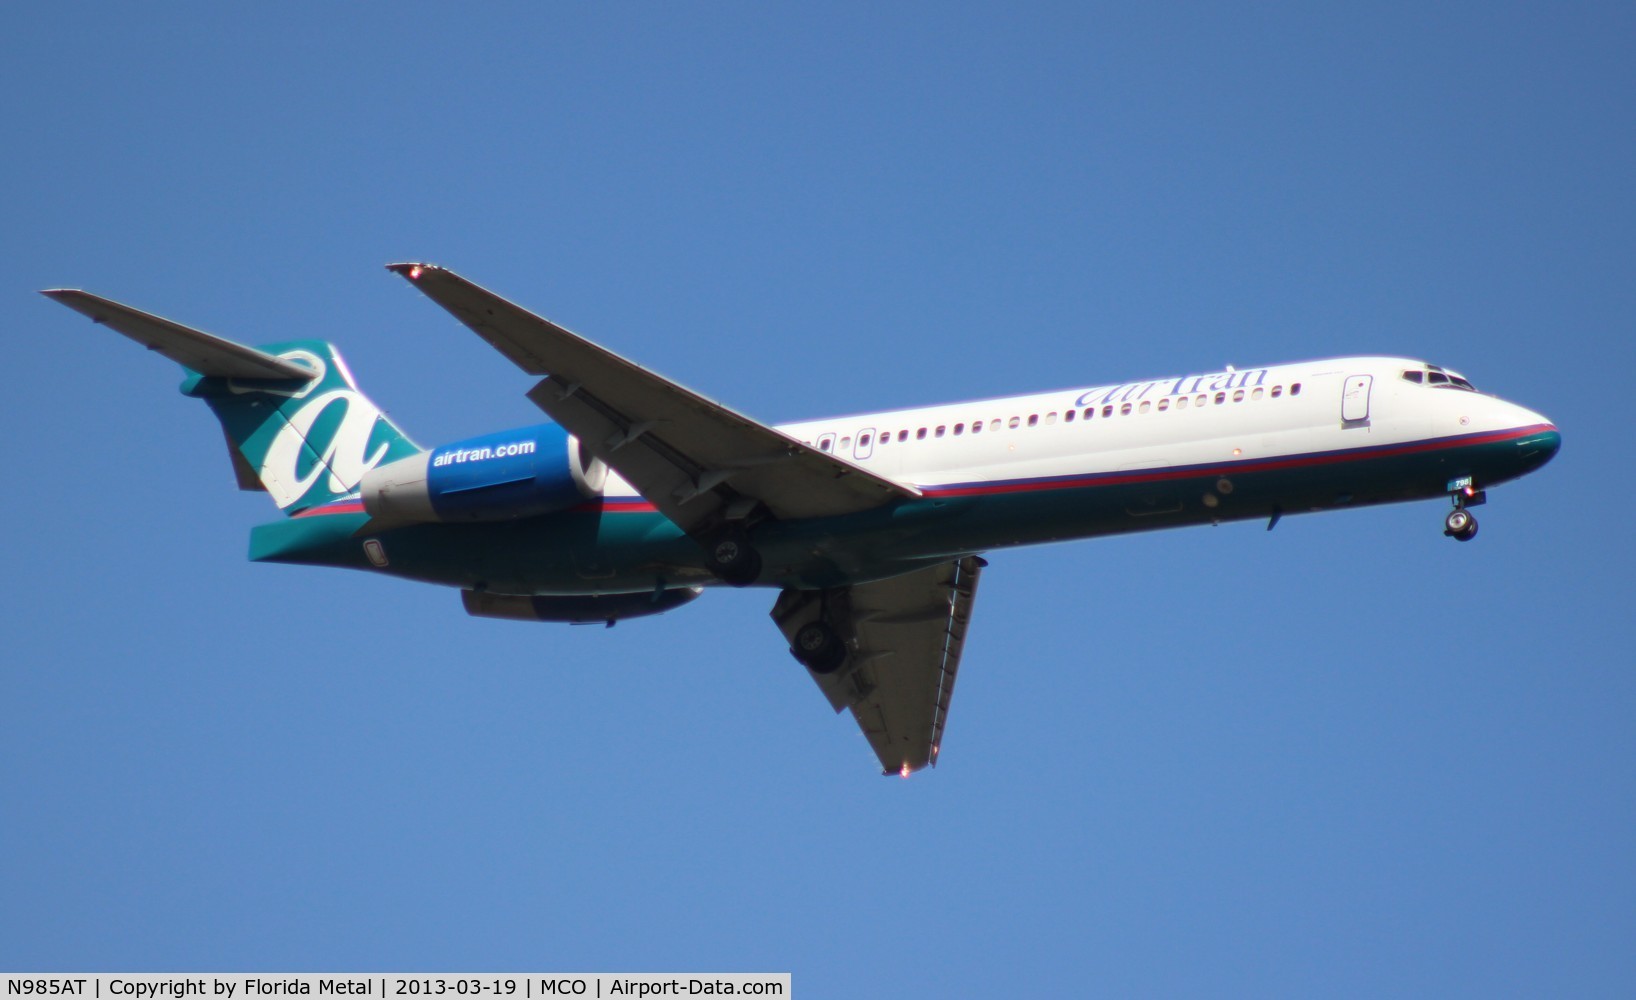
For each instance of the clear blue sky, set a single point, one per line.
(1348, 757)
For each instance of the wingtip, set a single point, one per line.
(412, 269)
(75, 299)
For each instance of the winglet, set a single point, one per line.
(202, 352)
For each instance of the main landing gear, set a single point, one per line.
(818, 647)
(819, 625)
(733, 559)
(1461, 524)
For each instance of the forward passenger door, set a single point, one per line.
(1355, 400)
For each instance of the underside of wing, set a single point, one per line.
(901, 641)
(697, 461)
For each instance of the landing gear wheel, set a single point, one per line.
(1460, 525)
(734, 560)
(818, 648)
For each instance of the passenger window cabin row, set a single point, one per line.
(993, 425)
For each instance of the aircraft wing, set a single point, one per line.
(695, 460)
(905, 637)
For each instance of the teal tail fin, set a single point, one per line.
(296, 424)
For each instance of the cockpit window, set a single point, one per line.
(1440, 378)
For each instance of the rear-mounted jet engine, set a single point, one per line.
(498, 477)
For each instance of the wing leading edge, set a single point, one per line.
(905, 637)
(697, 461)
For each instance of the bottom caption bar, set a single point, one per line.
(394, 986)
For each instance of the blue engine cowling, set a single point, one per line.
(497, 477)
(577, 610)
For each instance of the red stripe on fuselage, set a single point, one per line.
(616, 505)
(353, 506)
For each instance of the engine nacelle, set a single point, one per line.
(576, 610)
(497, 477)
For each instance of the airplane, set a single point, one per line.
(638, 494)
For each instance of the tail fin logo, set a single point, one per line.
(300, 442)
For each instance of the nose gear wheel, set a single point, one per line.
(1460, 524)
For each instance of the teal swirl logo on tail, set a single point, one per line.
(307, 443)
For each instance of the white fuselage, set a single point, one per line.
(1331, 405)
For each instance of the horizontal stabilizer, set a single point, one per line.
(194, 349)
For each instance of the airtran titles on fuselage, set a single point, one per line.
(460, 456)
(1187, 385)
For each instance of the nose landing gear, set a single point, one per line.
(1461, 524)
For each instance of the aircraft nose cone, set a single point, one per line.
(1541, 445)
(1549, 442)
